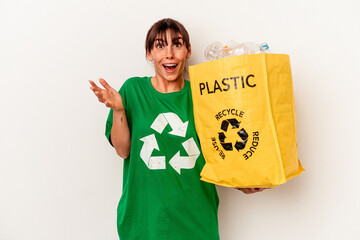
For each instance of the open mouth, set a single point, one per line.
(170, 67)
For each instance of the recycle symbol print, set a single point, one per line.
(235, 125)
(179, 128)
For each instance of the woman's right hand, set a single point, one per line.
(109, 96)
(120, 133)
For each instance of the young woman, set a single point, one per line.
(151, 126)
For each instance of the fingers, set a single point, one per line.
(251, 190)
(105, 84)
(108, 104)
(97, 91)
(92, 83)
(106, 95)
(100, 96)
(94, 87)
(259, 189)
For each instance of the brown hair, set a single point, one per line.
(159, 30)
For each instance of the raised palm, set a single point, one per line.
(109, 96)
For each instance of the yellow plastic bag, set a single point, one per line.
(245, 118)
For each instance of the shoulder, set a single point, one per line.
(133, 83)
(136, 81)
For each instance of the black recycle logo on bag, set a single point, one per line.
(227, 126)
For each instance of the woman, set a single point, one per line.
(151, 126)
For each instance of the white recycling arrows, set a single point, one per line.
(149, 145)
(178, 127)
(178, 162)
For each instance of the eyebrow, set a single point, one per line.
(176, 39)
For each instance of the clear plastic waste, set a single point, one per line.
(217, 50)
(214, 51)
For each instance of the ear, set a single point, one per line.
(188, 54)
(149, 56)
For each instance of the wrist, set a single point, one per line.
(119, 111)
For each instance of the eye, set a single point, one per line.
(178, 45)
(159, 45)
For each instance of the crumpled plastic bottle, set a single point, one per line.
(217, 50)
(214, 51)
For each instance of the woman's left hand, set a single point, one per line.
(251, 190)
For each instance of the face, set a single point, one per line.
(169, 59)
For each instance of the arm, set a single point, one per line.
(120, 133)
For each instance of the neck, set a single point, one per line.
(164, 86)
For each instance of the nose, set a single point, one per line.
(169, 52)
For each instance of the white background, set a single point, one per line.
(61, 180)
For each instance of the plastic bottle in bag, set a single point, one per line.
(214, 51)
(217, 50)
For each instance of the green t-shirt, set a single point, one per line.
(163, 197)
